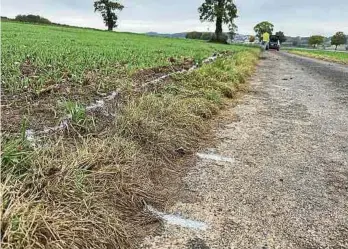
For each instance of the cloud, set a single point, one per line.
(295, 17)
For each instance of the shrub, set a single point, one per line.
(32, 19)
(206, 36)
(221, 39)
(194, 35)
(251, 38)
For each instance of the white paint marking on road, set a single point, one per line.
(178, 220)
(215, 157)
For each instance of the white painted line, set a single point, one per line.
(177, 220)
(215, 157)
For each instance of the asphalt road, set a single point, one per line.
(283, 179)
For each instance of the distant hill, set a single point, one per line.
(174, 35)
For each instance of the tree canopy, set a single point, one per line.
(281, 36)
(108, 8)
(316, 40)
(263, 27)
(338, 39)
(221, 12)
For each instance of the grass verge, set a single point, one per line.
(89, 191)
(339, 57)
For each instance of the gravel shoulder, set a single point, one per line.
(285, 183)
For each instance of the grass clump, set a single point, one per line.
(75, 111)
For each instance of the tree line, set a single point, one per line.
(336, 40)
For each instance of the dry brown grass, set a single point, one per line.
(90, 192)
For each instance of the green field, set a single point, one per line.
(86, 186)
(58, 51)
(333, 56)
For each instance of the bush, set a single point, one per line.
(251, 38)
(194, 35)
(206, 36)
(32, 19)
(221, 39)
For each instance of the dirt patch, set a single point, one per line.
(145, 75)
(27, 69)
(197, 243)
(44, 108)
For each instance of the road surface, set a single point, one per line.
(278, 176)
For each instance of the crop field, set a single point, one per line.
(93, 129)
(55, 52)
(340, 57)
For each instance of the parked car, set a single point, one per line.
(274, 43)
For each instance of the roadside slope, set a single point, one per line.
(84, 151)
(285, 185)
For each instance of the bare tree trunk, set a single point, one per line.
(110, 26)
(110, 21)
(218, 29)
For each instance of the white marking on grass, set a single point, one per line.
(63, 125)
(112, 96)
(194, 67)
(215, 157)
(98, 104)
(178, 220)
(30, 134)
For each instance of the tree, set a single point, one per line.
(280, 36)
(107, 9)
(315, 40)
(251, 38)
(263, 27)
(222, 12)
(338, 39)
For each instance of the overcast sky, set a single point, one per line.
(294, 17)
